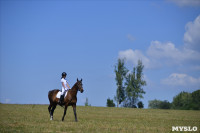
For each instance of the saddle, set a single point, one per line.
(58, 95)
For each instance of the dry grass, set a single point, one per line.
(35, 118)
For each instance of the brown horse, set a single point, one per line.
(70, 99)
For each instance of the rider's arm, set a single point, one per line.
(68, 86)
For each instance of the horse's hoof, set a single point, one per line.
(51, 118)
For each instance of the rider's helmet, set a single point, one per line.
(64, 74)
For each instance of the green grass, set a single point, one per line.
(35, 118)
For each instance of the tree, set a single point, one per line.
(140, 104)
(196, 100)
(187, 101)
(120, 71)
(182, 101)
(154, 104)
(86, 102)
(165, 105)
(158, 104)
(110, 103)
(134, 86)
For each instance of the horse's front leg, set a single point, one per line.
(64, 112)
(74, 109)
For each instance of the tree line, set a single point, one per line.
(130, 91)
(129, 85)
(183, 101)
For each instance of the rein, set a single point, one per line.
(73, 87)
(72, 90)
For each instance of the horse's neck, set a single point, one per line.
(74, 88)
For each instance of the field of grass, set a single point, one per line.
(35, 118)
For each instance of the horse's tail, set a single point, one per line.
(50, 95)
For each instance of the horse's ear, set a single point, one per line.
(77, 79)
(81, 80)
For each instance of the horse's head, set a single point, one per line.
(80, 85)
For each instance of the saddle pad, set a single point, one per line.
(59, 94)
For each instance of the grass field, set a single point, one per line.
(35, 118)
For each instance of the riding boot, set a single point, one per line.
(61, 99)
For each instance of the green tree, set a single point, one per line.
(110, 103)
(154, 104)
(196, 100)
(182, 101)
(165, 105)
(134, 86)
(158, 104)
(187, 101)
(120, 71)
(140, 104)
(86, 102)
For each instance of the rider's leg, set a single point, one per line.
(62, 96)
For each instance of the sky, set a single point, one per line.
(40, 39)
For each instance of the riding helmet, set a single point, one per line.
(64, 74)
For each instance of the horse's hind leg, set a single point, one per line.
(51, 113)
(49, 108)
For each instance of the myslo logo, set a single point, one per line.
(184, 128)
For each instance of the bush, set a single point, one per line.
(140, 104)
(110, 103)
(165, 105)
(158, 104)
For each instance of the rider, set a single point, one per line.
(65, 86)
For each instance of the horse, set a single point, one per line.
(69, 100)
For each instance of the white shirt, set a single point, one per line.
(65, 83)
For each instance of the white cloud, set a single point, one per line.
(133, 56)
(169, 52)
(177, 79)
(160, 54)
(192, 34)
(130, 37)
(160, 50)
(186, 2)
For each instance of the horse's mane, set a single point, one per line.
(74, 85)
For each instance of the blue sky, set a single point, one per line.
(41, 39)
